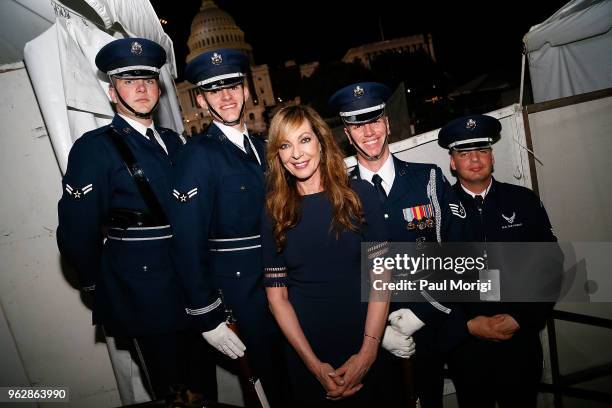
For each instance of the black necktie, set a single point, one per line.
(478, 200)
(382, 194)
(248, 149)
(153, 140)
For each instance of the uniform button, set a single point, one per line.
(145, 267)
(242, 188)
(386, 216)
(237, 274)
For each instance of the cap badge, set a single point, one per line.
(358, 92)
(216, 59)
(471, 124)
(136, 48)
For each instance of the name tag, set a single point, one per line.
(492, 276)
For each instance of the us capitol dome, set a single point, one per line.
(213, 28)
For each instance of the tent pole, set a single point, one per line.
(522, 80)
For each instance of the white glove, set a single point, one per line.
(405, 321)
(225, 340)
(397, 344)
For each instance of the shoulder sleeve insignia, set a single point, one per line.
(458, 209)
(184, 197)
(78, 193)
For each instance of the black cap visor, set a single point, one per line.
(465, 147)
(222, 84)
(362, 118)
(137, 74)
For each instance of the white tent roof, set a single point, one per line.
(571, 52)
(59, 41)
(576, 21)
(23, 20)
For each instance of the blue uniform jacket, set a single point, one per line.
(513, 213)
(216, 214)
(419, 184)
(135, 289)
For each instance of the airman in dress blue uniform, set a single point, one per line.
(417, 201)
(219, 189)
(502, 359)
(112, 216)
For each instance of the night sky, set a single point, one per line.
(470, 38)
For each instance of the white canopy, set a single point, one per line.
(571, 52)
(71, 92)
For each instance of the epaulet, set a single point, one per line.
(212, 132)
(205, 133)
(95, 133)
(420, 171)
(163, 129)
(417, 169)
(513, 188)
(359, 184)
(419, 166)
(206, 142)
(259, 137)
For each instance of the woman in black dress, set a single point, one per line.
(315, 222)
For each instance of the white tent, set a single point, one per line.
(571, 52)
(63, 37)
(58, 40)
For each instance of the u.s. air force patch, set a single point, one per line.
(511, 221)
(184, 197)
(78, 193)
(458, 209)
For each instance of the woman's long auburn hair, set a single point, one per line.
(283, 201)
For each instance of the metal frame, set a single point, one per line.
(567, 384)
(568, 100)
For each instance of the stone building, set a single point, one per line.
(366, 53)
(270, 87)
